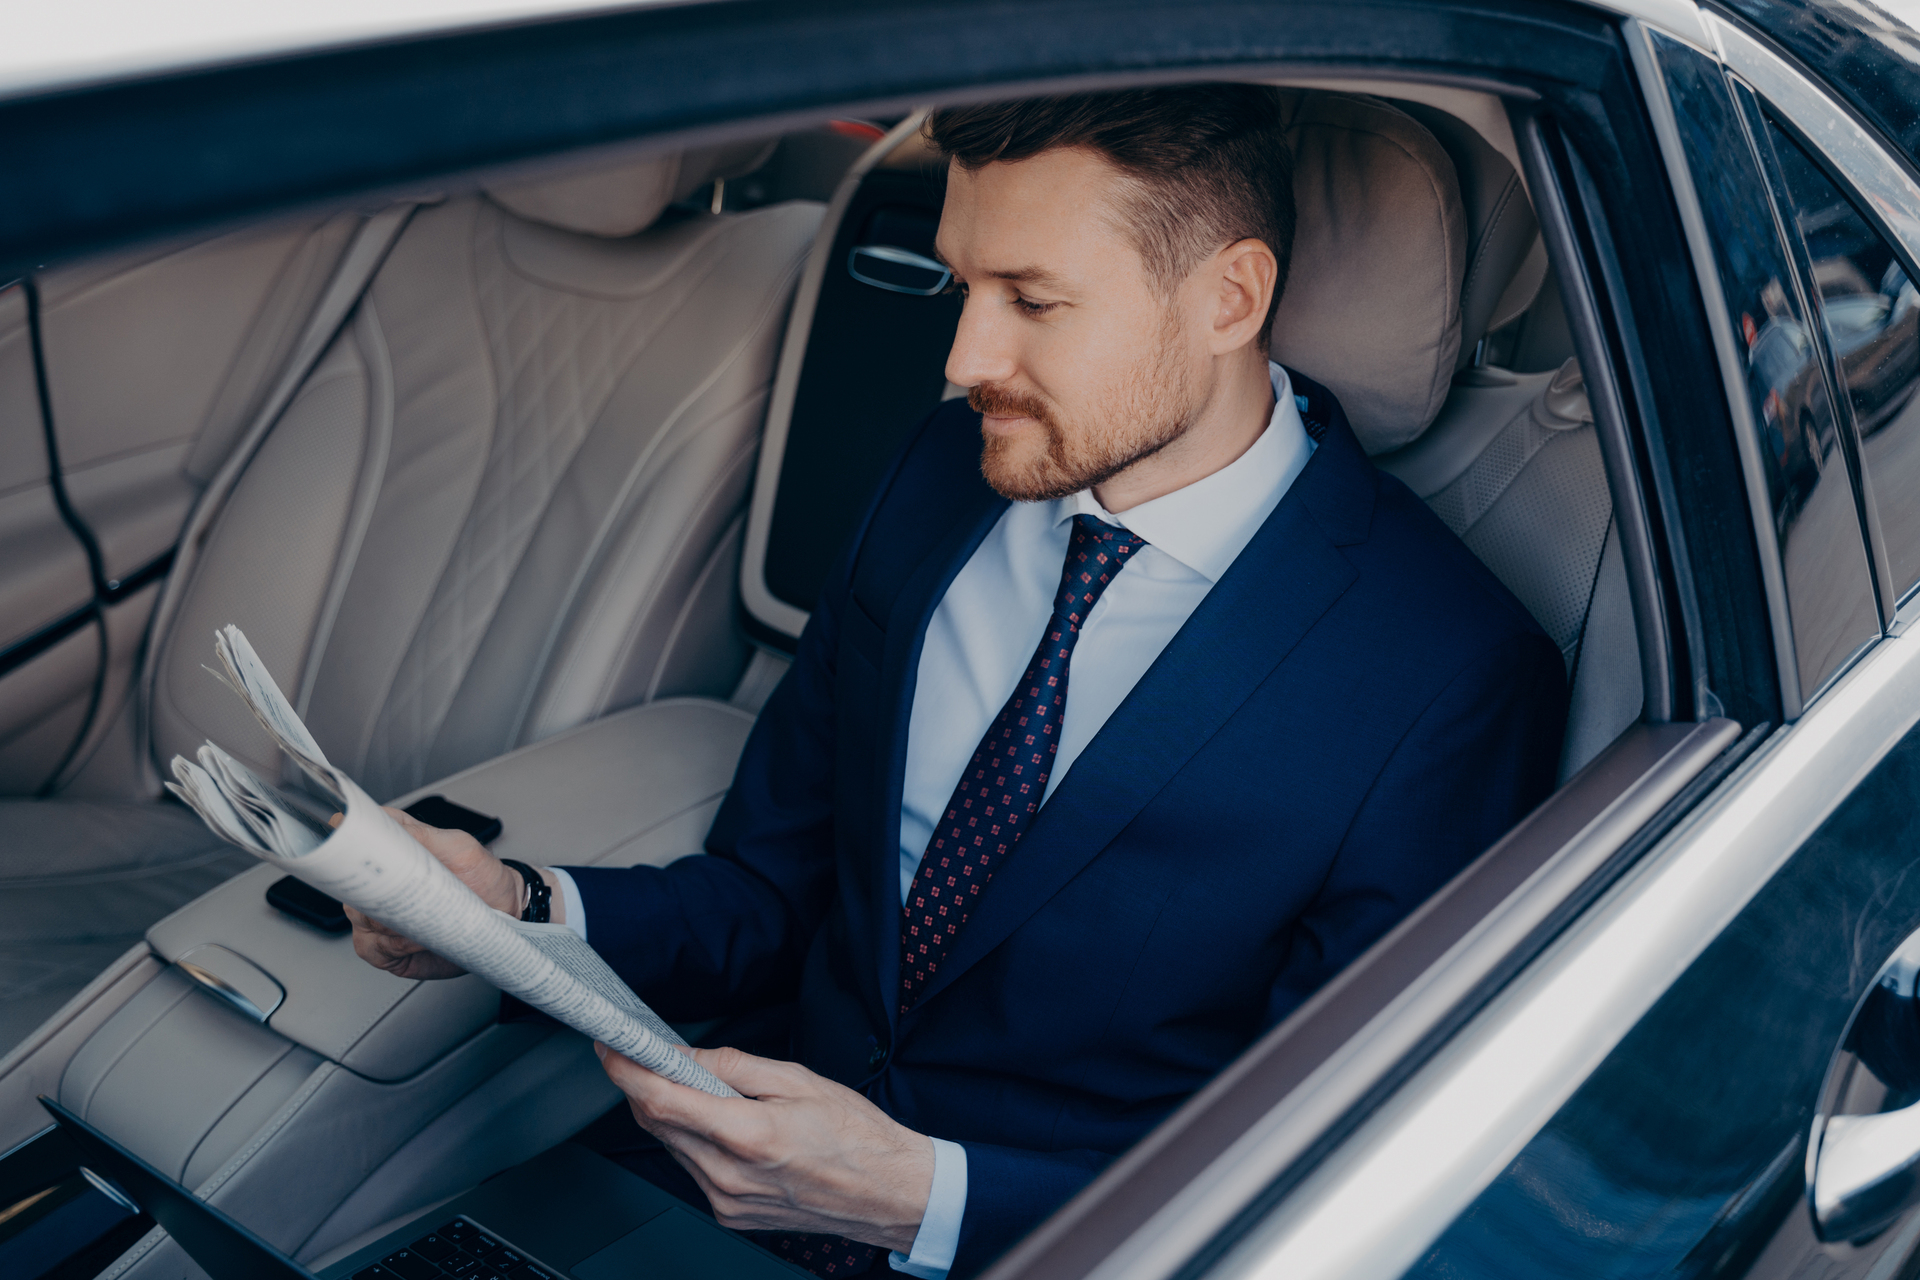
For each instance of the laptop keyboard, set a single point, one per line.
(458, 1249)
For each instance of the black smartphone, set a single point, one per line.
(307, 904)
(438, 811)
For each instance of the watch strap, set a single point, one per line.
(539, 909)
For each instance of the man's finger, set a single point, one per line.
(751, 1076)
(664, 1102)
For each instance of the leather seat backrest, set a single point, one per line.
(1409, 247)
(508, 498)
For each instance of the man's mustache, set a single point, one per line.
(1001, 402)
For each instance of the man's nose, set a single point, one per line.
(981, 351)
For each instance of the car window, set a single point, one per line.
(1871, 313)
(1832, 610)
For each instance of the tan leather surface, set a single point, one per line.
(153, 358)
(1513, 466)
(1372, 300)
(506, 478)
(618, 196)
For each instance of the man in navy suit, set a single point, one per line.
(1025, 915)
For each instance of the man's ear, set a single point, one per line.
(1243, 274)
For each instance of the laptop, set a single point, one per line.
(567, 1213)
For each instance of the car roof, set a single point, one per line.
(83, 42)
(1866, 50)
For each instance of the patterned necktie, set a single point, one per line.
(1003, 785)
(824, 1255)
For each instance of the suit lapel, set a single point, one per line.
(907, 623)
(1278, 588)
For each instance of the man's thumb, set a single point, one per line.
(753, 1077)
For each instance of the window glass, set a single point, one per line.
(1872, 316)
(1831, 606)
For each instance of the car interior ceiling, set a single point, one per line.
(535, 533)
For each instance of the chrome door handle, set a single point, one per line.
(1864, 1170)
(1866, 1173)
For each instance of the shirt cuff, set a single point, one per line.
(939, 1233)
(570, 902)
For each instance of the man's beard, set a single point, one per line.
(1146, 413)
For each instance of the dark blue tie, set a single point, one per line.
(1003, 785)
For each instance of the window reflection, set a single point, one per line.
(1872, 315)
(1830, 600)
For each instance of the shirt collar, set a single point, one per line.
(1207, 524)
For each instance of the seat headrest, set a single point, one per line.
(1372, 301)
(1506, 261)
(616, 197)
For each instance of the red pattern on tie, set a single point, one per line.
(1003, 784)
(824, 1255)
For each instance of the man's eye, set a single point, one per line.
(956, 285)
(1034, 308)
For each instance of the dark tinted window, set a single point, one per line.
(1871, 312)
(1832, 610)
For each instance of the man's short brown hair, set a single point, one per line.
(1210, 163)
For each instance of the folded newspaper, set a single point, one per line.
(370, 862)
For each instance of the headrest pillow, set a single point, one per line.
(1372, 300)
(617, 197)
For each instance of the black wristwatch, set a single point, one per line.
(539, 893)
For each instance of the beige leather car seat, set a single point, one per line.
(506, 501)
(1395, 277)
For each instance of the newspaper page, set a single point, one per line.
(370, 862)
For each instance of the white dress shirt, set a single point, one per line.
(989, 623)
(985, 632)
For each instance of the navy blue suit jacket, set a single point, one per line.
(1355, 711)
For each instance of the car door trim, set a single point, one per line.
(1317, 1075)
(1425, 1155)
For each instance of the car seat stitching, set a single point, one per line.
(86, 1104)
(610, 520)
(238, 1096)
(453, 610)
(1586, 615)
(1500, 208)
(371, 727)
(164, 691)
(619, 510)
(266, 1133)
(683, 538)
(716, 563)
(1449, 305)
(376, 358)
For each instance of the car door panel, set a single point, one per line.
(1685, 1152)
(49, 653)
(154, 361)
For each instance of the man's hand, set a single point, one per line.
(498, 885)
(798, 1153)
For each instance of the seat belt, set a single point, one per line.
(351, 278)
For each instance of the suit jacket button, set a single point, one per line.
(877, 1056)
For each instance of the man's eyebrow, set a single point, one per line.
(1030, 275)
(1021, 275)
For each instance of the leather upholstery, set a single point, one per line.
(619, 196)
(1514, 468)
(1372, 301)
(506, 502)
(1415, 237)
(495, 496)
